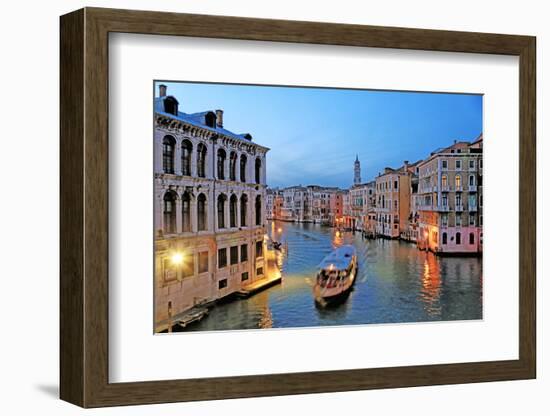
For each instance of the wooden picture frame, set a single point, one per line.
(84, 207)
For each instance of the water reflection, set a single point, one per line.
(395, 283)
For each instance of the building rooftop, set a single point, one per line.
(199, 120)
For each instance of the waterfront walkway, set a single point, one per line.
(259, 285)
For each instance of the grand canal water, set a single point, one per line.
(396, 283)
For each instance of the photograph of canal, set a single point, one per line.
(292, 207)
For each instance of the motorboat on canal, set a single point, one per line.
(336, 276)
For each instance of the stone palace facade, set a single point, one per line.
(209, 204)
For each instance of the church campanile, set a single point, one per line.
(356, 171)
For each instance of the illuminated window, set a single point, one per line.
(203, 261)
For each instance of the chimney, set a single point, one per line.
(405, 165)
(219, 118)
(162, 90)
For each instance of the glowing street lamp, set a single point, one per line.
(177, 258)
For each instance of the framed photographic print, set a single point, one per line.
(256, 207)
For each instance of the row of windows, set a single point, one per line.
(458, 181)
(458, 238)
(458, 164)
(187, 268)
(472, 200)
(169, 211)
(458, 220)
(387, 203)
(222, 284)
(234, 254)
(384, 186)
(168, 161)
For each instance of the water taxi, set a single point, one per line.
(336, 276)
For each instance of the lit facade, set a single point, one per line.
(450, 194)
(209, 202)
(393, 198)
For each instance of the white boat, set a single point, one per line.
(336, 276)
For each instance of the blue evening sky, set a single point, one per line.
(315, 133)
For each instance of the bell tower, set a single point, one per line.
(356, 171)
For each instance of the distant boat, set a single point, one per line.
(336, 276)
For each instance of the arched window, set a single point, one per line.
(186, 151)
(244, 209)
(472, 238)
(233, 211)
(186, 212)
(257, 170)
(201, 212)
(169, 212)
(221, 163)
(201, 160)
(233, 166)
(168, 144)
(221, 211)
(243, 168)
(444, 237)
(458, 238)
(458, 181)
(258, 208)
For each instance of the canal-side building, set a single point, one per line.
(362, 199)
(311, 203)
(209, 204)
(274, 203)
(297, 204)
(337, 208)
(346, 210)
(393, 188)
(320, 203)
(450, 192)
(411, 234)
